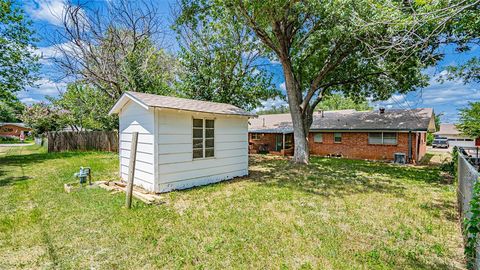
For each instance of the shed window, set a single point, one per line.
(337, 137)
(318, 138)
(203, 138)
(382, 138)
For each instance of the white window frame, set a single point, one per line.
(383, 138)
(341, 135)
(315, 137)
(256, 136)
(204, 138)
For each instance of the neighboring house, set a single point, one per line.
(375, 135)
(454, 136)
(182, 142)
(13, 129)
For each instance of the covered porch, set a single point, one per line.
(271, 143)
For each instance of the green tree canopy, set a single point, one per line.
(361, 48)
(220, 64)
(10, 111)
(338, 101)
(469, 122)
(18, 63)
(85, 108)
(42, 117)
(462, 30)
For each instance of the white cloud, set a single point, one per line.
(47, 10)
(269, 103)
(283, 86)
(29, 100)
(49, 52)
(274, 61)
(45, 87)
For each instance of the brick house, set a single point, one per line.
(373, 135)
(13, 129)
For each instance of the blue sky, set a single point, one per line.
(445, 98)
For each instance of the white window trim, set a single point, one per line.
(321, 137)
(383, 139)
(204, 127)
(256, 134)
(341, 139)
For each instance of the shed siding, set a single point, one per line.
(176, 167)
(133, 118)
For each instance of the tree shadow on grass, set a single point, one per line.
(339, 177)
(12, 180)
(39, 158)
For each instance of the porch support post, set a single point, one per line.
(410, 146)
(283, 144)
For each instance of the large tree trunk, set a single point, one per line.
(300, 130)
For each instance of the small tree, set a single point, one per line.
(338, 101)
(469, 122)
(85, 108)
(430, 136)
(42, 117)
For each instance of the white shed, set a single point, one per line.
(181, 142)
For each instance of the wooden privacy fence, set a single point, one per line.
(83, 141)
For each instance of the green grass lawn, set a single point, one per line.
(332, 214)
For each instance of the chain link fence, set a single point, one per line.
(468, 174)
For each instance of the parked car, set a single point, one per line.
(440, 143)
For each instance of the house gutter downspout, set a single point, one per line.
(409, 146)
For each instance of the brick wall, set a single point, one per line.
(265, 138)
(355, 145)
(423, 145)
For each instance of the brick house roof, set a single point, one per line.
(151, 100)
(350, 120)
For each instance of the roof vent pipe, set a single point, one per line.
(382, 110)
(263, 121)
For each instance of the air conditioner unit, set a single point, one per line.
(400, 158)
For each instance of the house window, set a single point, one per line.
(203, 138)
(318, 138)
(337, 137)
(256, 136)
(389, 138)
(375, 138)
(382, 138)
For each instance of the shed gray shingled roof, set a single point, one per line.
(152, 100)
(395, 120)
